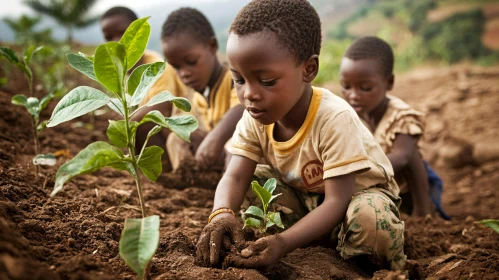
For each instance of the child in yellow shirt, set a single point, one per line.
(190, 47)
(313, 141)
(366, 74)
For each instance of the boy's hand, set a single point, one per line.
(210, 241)
(263, 253)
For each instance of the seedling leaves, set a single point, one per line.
(165, 96)
(115, 105)
(82, 64)
(9, 54)
(134, 80)
(139, 241)
(264, 195)
(116, 132)
(33, 106)
(45, 159)
(77, 102)
(252, 222)
(149, 77)
(19, 99)
(135, 40)
(275, 218)
(270, 185)
(28, 54)
(255, 211)
(150, 162)
(180, 125)
(493, 224)
(109, 65)
(92, 158)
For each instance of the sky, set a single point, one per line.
(15, 8)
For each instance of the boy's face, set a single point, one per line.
(363, 84)
(114, 27)
(268, 81)
(193, 60)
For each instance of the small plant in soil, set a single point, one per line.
(264, 218)
(109, 66)
(33, 105)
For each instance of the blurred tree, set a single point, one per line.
(69, 13)
(23, 28)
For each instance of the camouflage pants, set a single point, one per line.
(372, 224)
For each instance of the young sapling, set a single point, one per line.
(493, 224)
(109, 66)
(264, 218)
(33, 105)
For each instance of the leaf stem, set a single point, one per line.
(35, 136)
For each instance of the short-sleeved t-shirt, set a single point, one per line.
(331, 142)
(399, 118)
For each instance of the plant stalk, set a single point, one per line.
(35, 136)
(131, 150)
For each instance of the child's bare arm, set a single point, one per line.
(230, 193)
(417, 181)
(404, 146)
(210, 149)
(268, 250)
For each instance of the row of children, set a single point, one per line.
(341, 164)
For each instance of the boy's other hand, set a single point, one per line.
(209, 153)
(263, 253)
(211, 239)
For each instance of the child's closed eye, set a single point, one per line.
(268, 83)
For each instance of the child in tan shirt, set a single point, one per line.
(366, 74)
(313, 142)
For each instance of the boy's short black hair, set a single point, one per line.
(122, 11)
(373, 48)
(295, 23)
(188, 20)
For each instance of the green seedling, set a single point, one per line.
(109, 66)
(493, 224)
(33, 105)
(264, 218)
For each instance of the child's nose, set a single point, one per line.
(251, 94)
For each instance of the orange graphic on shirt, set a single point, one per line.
(312, 174)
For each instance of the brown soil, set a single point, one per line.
(75, 235)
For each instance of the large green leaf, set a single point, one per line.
(275, 218)
(139, 242)
(493, 224)
(116, 132)
(19, 99)
(262, 194)
(92, 158)
(9, 54)
(150, 162)
(77, 102)
(82, 64)
(270, 185)
(149, 77)
(33, 106)
(134, 79)
(165, 96)
(30, 51)
(252, 222)
(183, 126)
(109, 66)
(115, 104)
(255, 211)
(135, 40)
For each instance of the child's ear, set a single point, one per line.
(213, 44)
(311, 68)
(391, 82)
